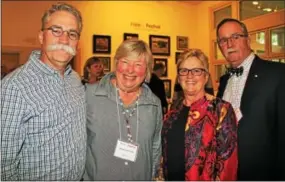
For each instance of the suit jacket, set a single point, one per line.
(261, 130)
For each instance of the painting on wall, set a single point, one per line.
(159, 45)
(10, 61)
(102, 44)
(182, 42)
(167, 87)
(106, 63)
(162, 61)
(128, 36)
(177, 55)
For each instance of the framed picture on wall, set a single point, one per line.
(159, 45)
(106, 63)
(177, 55)
(10, 61)
(161, 61)
(102, 44)
(167, 87)
(182, 42)
(128, 36)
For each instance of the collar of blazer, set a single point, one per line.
(251, 86)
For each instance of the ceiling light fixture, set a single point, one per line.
(267, 9)
(255, 2)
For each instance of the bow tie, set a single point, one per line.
(235, 71)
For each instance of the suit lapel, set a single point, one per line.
(251, 84)
(222, 86)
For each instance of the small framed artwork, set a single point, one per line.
(159, 45)
(102, 44)
(106, 63)
(10, 61)
(182, 42)
(177, 56)
(128, 36)
(162, 61)
(167, 87)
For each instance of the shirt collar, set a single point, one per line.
(247, 62)
(42, 67)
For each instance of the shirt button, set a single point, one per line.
(126, 163)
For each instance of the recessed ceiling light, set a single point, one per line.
(255, 2)
(267, 9)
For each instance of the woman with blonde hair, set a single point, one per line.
(199, 135)
(124, 119)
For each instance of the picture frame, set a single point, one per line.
(182, 42)
(177, 55)
(106, 63)
(159, 45)
(10, 61)
(128, 36)
(164, 62)
(167, 87)
(102, 44)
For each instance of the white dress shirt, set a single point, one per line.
(235, 86)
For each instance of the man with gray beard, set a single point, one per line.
(43, 134)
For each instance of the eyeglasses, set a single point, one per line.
(233, 37)
(58, 31)
(194, 71)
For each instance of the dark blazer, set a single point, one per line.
(261, 130)
(157, 87)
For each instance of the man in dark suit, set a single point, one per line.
(156, 85)
(256, 89)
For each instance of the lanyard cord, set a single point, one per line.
(119, 118)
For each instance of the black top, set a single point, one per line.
(178, 88)
(157, 87)
(176, 147)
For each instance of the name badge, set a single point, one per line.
(127, 151)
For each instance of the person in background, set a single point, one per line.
(124, 119)
(43, 111)
(199, 135)
(93, 70)
(157, 86)
(255, 87)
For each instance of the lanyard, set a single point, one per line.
(127, 121)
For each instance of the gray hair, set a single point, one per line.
(135, 48)
(63, 7)
(242, 25)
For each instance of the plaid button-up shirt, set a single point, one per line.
(43, 115)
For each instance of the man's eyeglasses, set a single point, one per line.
(194, 71)
(58, 31)
(233, 37)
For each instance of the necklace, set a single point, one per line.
(128, 113)
(119, 102)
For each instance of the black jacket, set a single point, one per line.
(261, 130)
